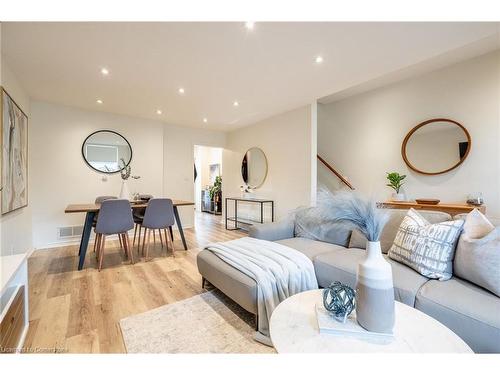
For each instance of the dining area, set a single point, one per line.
(142, 216)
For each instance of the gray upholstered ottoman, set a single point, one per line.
(233, 283)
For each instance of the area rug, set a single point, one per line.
(207, 323)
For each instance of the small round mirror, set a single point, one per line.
(254, 167)
(436, 146)
(106, 151)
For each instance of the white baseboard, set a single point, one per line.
(76, 241)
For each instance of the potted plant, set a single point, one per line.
(215, 193)
(396, 182)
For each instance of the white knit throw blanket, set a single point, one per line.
(278, 270)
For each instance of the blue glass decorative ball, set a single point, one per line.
(339, 299)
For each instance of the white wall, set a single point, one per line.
(162, 156)
(16, 225)
(179, 145)
(362, 135)
(288, 140)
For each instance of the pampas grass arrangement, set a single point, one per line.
(351, 210)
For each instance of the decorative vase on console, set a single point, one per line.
(246, 191)
(125, 172)
(374, 286)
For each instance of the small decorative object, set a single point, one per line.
(396, 182)
(125, 173)
(427, 201)
(374, 288)
(246, 191)
(476, 199)
(339, 300)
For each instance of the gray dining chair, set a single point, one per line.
(99, 200)
(115, 217)
(138, 214)
(159, 216)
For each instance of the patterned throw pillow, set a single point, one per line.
(427, 248)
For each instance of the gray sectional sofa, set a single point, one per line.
(471, 312)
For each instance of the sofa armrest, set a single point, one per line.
(273, 231)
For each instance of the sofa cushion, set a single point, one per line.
(308, 247)
(427, 248)
(310, 223)
(342, 264)
(407, 282)
(478, 260)
(388, 234)
(468, 310)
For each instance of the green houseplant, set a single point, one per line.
(396, 182)
(216, 192)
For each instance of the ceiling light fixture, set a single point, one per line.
(181, 90)
(104, 71)
(236, 104)
(159, 112)
(205, 120)
(319, 59)
(99, 101)
(249, 25)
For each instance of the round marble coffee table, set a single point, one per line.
(294, 329)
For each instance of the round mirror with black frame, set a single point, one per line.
(254, 168)
(436, 146)
(106, 151)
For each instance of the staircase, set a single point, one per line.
(334, 171)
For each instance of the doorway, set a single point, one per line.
(208, 180)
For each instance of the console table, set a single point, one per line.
(450, 208)
(237, 220)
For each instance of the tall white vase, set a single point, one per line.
(375, 292)
(124, 192)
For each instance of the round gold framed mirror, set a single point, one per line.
(254, 168)
(436, 146)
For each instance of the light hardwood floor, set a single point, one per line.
(78, 311)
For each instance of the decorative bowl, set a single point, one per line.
(427, 201)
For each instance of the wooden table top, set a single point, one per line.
(92, 207)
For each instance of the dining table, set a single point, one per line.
(91, 210)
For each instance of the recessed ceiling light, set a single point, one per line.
(205, 120)
(249, 25)
(319, 59)
(159, 112)
(99, 101)
(104, 71)
(236, 104)
(181, 90)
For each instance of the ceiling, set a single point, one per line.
(268, 70)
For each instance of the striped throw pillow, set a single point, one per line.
(427, 248)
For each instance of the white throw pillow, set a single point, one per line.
(477, 225)
(427, 248)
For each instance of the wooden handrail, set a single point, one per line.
(335, 172)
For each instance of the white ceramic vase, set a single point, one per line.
(124, 192)
(375, 291)
(398, 197)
